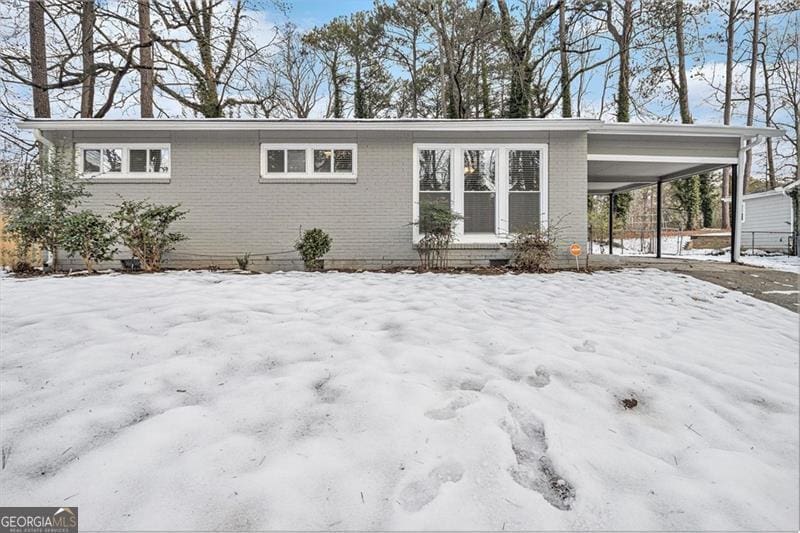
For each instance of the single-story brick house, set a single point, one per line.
(250, 185)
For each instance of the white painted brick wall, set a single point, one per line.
(215, 175)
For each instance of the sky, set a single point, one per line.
(310, 13)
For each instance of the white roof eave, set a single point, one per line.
(704, 130)
(591, 126)
(311, 124)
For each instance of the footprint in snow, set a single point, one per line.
(540, 378)
(534, 469)
(473, 384)
(418, 494)
(450, 410)
(587, 346)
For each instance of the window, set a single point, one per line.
(523, 189)
(102, 160)
(275, 161)
(498, 189)
(322, 161)
(296, 161)
(480, 190)
(123, 161)
(343, 161)
(152, 160)
(433, 177)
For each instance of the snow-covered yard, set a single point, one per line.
(674, 246)
(784, 263)
(209, 401)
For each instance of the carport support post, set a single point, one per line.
(734, 212)
(611, 224)
(658, 219)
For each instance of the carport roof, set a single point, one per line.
(625, 156)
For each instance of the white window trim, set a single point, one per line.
(309, 175)
(501, 234)
(125, 174)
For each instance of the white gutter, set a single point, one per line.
(47, 144)
(789, 187)
(37, 134)
(740, 177)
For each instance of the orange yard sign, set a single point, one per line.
(575, 250)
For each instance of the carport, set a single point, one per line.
(624, 156)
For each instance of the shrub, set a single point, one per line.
(437, 223)
(90, 236)
(312, 245)
(144, 228)
(22, 267)
(533, 249)
(243, 261)
(37, 199)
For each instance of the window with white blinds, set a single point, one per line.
(523, 189)
(123, 160)
(316, 162)
(499, 190)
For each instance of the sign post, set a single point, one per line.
(575, 250)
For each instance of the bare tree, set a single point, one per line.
(62, 34)
(405, 33)
(299, 76)
(330, 48)
(458, 29)
(619, 17)
(786, 60)
(519, 50)
(203, 72)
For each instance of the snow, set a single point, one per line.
(213, 401)
(673, 246)
(670, 245)
(784, 263)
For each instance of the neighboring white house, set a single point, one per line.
(769, 219)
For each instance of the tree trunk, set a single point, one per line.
(41, 98)
(692, 189)
(683, 84)
(519, 93)
(486, 103)
(414, 82)
(726, 109)
(751, 97)
(566, 92)
(146, 73)
(771, 181)
(336, 87)
(443, 89)
(359, 110)
(624, 43)
(706, 204)
(87, 55)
